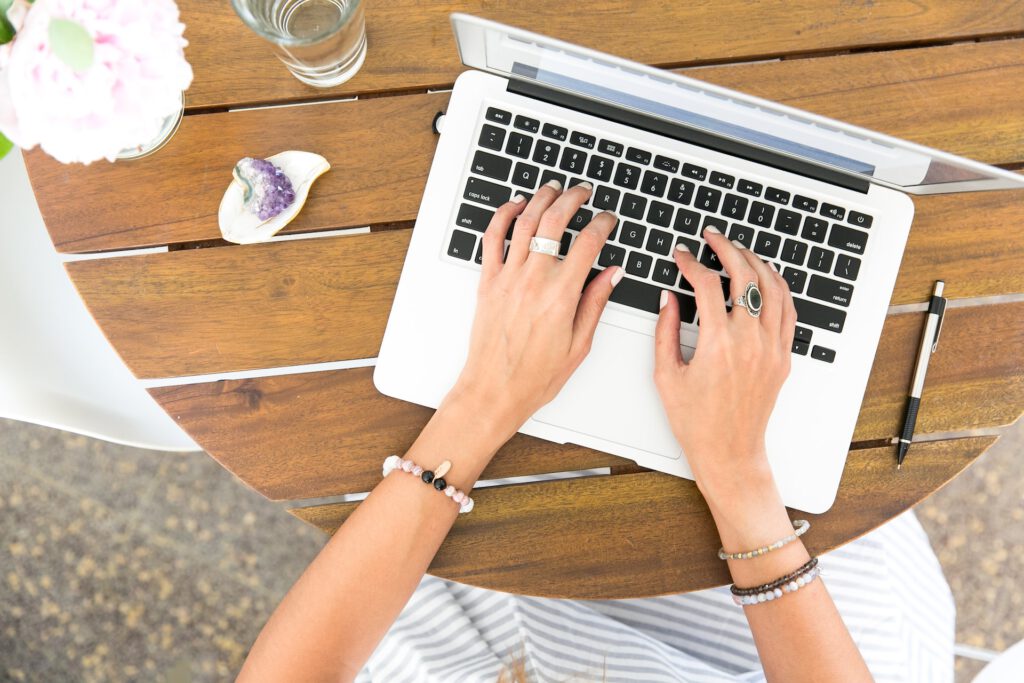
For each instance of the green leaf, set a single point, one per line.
(5, 146)
(6, 29)
(71, 43)
(5, 5)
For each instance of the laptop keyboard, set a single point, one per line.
(662, 201)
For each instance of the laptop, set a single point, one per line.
(823, 201)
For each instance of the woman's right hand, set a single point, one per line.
(719, 402)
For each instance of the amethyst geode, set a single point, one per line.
(268, 191)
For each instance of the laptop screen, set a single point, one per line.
(761, 123)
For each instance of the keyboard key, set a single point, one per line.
(556, 132)
(821, 353)
(486, 192)
(686, 221)
(680, 191)
(821, 259)
(761, 214)
(639, 263)
(805, 203)
(776, 195)
(832, 211)
(659, 242)
(627, 176)
(573, 160)
(744, 234)
(492, 137)
(519, 145)
(636, 294)
(473, 217)
(767, 244)
(633, 234)
(694, 171)
(611, 255)
(722, 180)
(606, 198)
(527, 124)
(633, 206)
(498, 115)
(491, 166)
(849, 239)
(830, 291)
(861, 220)
(582, 140)
(708, 199)
(692, 245)
(847, 266)
(814, 229)
(638, 156)
(563, 248)
(749, 187)
(794, 252)
(660, 213)
(734, 207)
(600, 168)
(654, 183)
(609, 147)
(666, 164)
(788, 222)
(800, 347)
(804, 334)
(546, 153)
(687, 307)
(796, 279)
(461, 245)
(525, 175)
(580, 219)
(819, 315)
(709, 258)
(552, 175)
(666, 272)
(711, 222)
(479, 257)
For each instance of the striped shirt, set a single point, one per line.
(887, 585)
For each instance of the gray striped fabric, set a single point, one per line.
(888, 587)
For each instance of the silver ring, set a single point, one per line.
(542, 245)
(751, 300)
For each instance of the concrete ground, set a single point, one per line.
(118, 564)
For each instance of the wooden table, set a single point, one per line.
(947, 74)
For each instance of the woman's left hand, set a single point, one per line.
(532, 327)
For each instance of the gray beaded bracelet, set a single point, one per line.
(800, 525)
(769, 594)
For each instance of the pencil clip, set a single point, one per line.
(942, 318)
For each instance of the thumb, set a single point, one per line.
(591, 305)
(667, 354)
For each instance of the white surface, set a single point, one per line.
(809, 435)
(1007, 668)
(56, 367)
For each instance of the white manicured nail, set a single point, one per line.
(585, 185)
(518, 199)
(553, 183)
(617, 276)
(683, 248)
(738, 244)
(713, 230)
(664, 300)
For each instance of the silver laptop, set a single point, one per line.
(823, 201)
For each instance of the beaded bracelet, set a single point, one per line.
(436, 478)
(775, 589)
(800, 525)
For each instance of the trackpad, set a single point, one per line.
(612, 395)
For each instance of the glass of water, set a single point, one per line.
(322, 42)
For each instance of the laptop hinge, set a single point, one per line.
(692, 136)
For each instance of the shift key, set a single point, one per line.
(830, 291)
(486, 193)
(818, 315)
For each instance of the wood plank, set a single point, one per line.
(411, 44)
(348, 428)
(964, 98)
(566, 538)
(285, 303)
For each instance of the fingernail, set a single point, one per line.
(664, 300)
(585, 185)
(518, 199)
(738, 244)
(617, 276)
(713, 230)
(553, 183)
(683, 248)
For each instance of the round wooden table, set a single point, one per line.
(202, 320)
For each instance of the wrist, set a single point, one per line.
(746, 507)
(490, 413)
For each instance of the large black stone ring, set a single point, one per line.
(750, 300)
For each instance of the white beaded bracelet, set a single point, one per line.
(776, 593)
(434, 478)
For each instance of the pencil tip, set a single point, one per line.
(899, 466)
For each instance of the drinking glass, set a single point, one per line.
(322, 42)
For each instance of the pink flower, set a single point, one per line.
(120, 100)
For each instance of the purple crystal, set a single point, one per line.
(268, 191)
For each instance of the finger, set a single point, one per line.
(529, 219)
(558, 215)
(738, 268)
(771, 294)
(707, 288)
(667, 354)
(585, 249)
(494, 237)
(591, 305)
(788, 315)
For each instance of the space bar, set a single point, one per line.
(637, 294)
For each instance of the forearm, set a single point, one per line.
(335, 615)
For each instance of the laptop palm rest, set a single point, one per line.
(612, 395)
